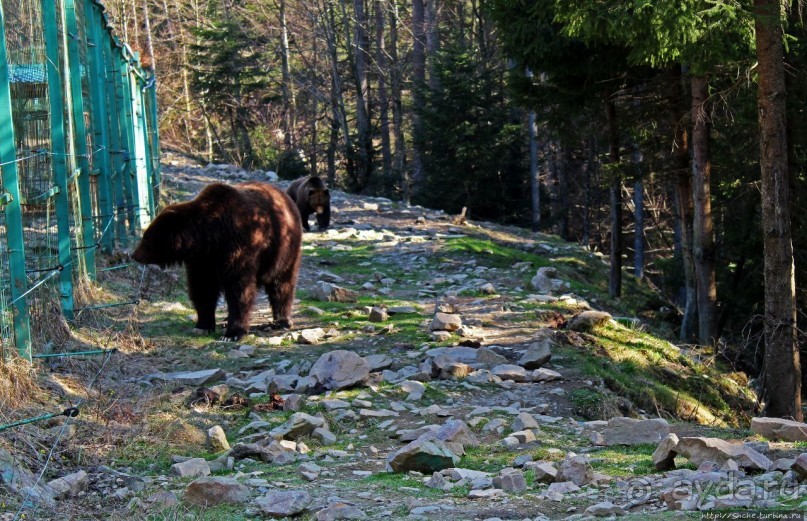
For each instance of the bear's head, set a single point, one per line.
(166, 241)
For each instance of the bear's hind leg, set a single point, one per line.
(280, 291)
(240, 296)
(204, 290)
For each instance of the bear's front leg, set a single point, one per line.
(204, 289)
(240, 296)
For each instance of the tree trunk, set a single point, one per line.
(396, 82)
(383, 96)
(432, 30)
(287, 88)
(535, 174)
(683, 203)
(562, 201)
(148, 62)
(638, 234)
(782, 370)
(364, 143)
(419, 80)
(615, 275)
(703, 226)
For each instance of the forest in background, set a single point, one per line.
(635, 128)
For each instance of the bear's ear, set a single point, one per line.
(327, 192)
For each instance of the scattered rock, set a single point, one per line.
(537, 354)
(422, 455)
(515, 373)
(664, 455)
(209, 491)
(576, 469)
(512, 482)
(799, 466)
(779, 429)
(545, 375)
(523, 421)
(217, 439)
(697, 450)
(629, 431)
(605, 509)
(340, 369)
(284, 503)
(543, 471)
(588, 320)
(378, 314)
(327, 292)
(312, 336)
(191, 468)
(298, 425)
(192, 378)
(445, 322)
(70, 485)
(339, 510)
(544, 282)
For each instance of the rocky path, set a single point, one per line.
(434, 370)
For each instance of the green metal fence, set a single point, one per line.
(79, 153)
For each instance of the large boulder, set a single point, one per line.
(537, 354)
(284, 503)
(340, 369)
(423, 455)
(629, 431)
(779, 429)
(209, 491)
(699, 450)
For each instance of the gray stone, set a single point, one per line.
(489, 357)
(445, 322)
(543, 471)
(293, 402)
(324, 436)
(284, 503)
(628, 431)
(512, 482)
(422, 455)
(340, 369)
(455, 371)
(217, 439)
(312, 336)
(525, 436)
(544, 282)
(378, 314)
(415, 389)
(664, 455)
(298, 425)
(338, 510)
(191, 378)
(512, 372)
(537, 354)
(779, 429)
(191, 468)
(576, 469)
(456, 431)
(327, 292)
(378, 362)
(588, 320)
(545, 375)
(563, 487)
(698, 450)
(523, 421)
(70, 485)
(605, 509)
(209, 491)
(799, 466)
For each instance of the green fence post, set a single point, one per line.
(127, 126)
(100, 120)
(12, 210)
(115, 141)
(58, 151)
(155, 140)
(87, 226)
(145, 198)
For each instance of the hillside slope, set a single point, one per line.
(408, 263)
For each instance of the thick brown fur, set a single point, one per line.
(312, 196)
(231, 239)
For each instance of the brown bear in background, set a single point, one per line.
(231, 239)
(311, 196)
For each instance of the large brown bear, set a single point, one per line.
(231, 239)
(311, 196)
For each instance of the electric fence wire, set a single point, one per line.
(38, 498)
